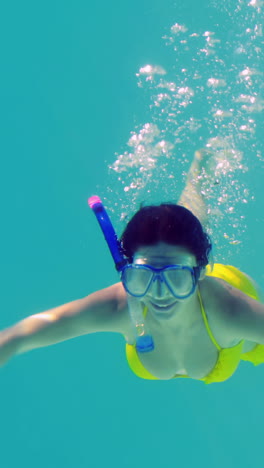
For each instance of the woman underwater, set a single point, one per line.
(203, 319)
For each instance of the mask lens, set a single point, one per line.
(136, 279)
(180, 280)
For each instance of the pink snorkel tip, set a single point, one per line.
(93, 200)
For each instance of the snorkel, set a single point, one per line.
(144, 341)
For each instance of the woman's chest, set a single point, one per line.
(189, 352)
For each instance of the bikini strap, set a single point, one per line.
(206, 323)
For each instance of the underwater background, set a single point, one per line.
(114, 98)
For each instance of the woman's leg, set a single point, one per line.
(197, 185)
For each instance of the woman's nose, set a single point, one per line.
(158, 287)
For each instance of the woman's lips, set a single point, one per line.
(163, 308)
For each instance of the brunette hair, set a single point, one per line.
(168, 223)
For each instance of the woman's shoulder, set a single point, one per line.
(105, 310)
(122, 311)
(234, 312)
(235, 280)
(217, 298)
(223, 297)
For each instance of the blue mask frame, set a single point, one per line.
(158, 273)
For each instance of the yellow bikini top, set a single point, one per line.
(228, 358)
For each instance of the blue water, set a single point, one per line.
(70, 99)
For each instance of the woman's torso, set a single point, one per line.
(190, 350)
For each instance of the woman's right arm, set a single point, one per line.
(102, 311)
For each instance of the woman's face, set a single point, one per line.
(159, 298)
